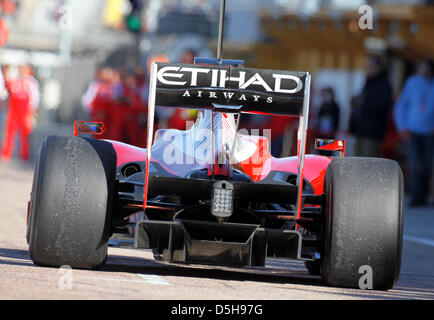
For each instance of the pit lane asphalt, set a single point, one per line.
(133, 274)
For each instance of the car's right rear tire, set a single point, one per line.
(363, 223)
(71, 202)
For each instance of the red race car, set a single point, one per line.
(212, 195)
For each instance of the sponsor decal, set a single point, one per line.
(219, 78)
(230, 88)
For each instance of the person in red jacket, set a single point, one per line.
(142, 91)
(23, 100)
(98, 98)
(126, 107)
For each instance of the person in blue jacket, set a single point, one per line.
(414, 119)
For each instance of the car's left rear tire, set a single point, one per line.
(71, 202)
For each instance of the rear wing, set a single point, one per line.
(229, 89)
(224, 88)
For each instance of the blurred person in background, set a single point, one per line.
(23, 100)
(188, 56)
(368, 120)
(26, 72)
(414, 119)
(327, 122)
(142, 90)
(3, 91)
(4, 94)
(126, 107)
(177, 118)
(162, 114)
(142, 84)
(96, 101)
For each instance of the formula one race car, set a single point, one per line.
(211, 195)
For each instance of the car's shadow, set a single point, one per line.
(16, 257)
(298, 275)
(117, 263)
(291, 272)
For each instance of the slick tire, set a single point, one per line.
(71, 202)
(363, 223)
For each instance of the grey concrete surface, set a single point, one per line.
(133, 274)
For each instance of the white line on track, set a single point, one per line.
(154, 279)
(424, 241)
(150, 278)
(110, 279)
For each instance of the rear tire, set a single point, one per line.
(71, 202)
(363, 223)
